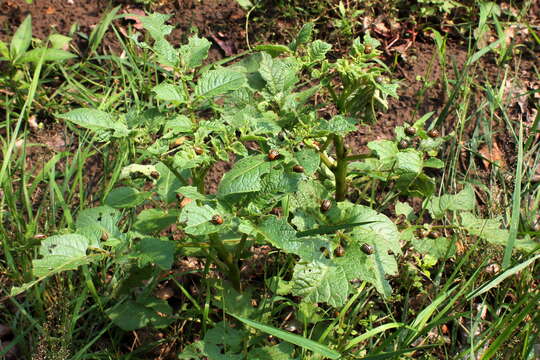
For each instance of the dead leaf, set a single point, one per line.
(227, 49)
(381, 28)
(165, 293)
(33, 122)
(492, 156)
(55, 142)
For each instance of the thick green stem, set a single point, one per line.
(228, 258)
(200, 180)
(340, 171)
(170, 166)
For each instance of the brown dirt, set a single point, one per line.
(50, 16)
(220, 21)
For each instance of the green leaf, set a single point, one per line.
(167, 184)
(135, 169)
(233, 302)
(195, 51)
(379, 232)
(151, 221)
(386, 150)
(283, 236)
(129, 315)
(487, 229)
(273, 50)
(371, 268)
(4, 51)
(403, 208)
(409, 161)
(220, 343)
(413, 184)
(60, 253)
(279, 74)
(320, 281)
(490, 230)
(94, 119)
(132, 315)
(245, 176)
(191, 192)
(151, 119)
(218, 82)
(245, 4)
(72, 245)
(282, 351)
(179, 124)
(22, 38)
(155, 251)
(438, 248)
(125, 197)
(96, 222)
(53, 55)
(168, 92)
(465, 200)
(309, 159)
(317, 50)
(59, 41)
(339, 124)
(292, 338)
(434, 163)
(54, 264)
(166, 53)
(198, 219)
(303, 37)
(279, 182)
(155, 25)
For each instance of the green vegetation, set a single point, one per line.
(305, 248)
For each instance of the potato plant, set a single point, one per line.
(280, 115)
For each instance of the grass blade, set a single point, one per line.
(292, 338)
(99, 31)
(371, 333)
(495, 282)
(516, 203)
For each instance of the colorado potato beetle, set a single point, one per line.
(154, 174)
(273, 155)
(326, 205)
(403, 144)
(410, 131)
(339, 251)
(298, 168)
(217, 220)
(434, 133)
(367, 249)
(434, 235)
(198, 150)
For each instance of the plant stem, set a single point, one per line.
(168, 163)
(233, 271)
(340, 171)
